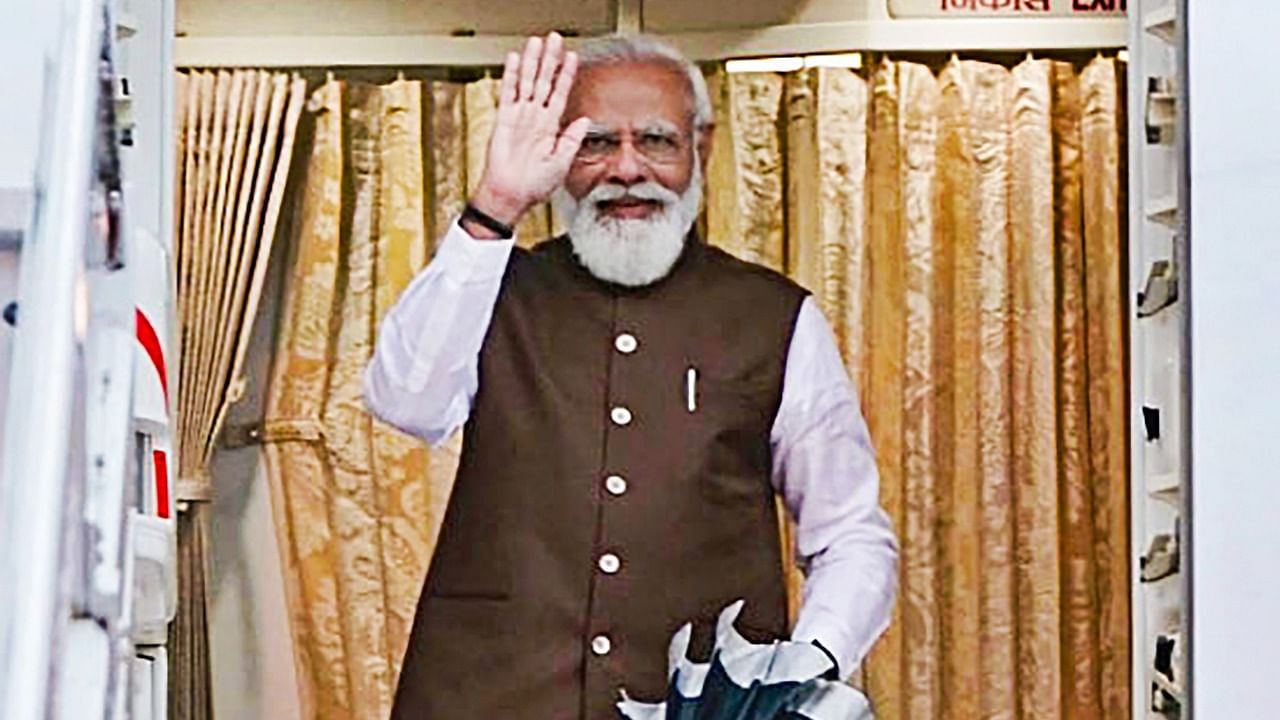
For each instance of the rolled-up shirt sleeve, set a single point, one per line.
(824, 467)
(425, 368)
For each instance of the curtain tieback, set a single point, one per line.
(194, 486)
(273, 431)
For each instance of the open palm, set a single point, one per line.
(529, 153)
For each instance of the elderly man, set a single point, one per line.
(633, 398)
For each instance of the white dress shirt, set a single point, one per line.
(425, 373)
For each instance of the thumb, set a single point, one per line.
(570, 140)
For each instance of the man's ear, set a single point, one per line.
(703, 141)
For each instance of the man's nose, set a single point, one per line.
(627, 167)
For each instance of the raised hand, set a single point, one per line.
(529, 154)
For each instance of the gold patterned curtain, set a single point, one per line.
(358, 504)
(961, 228)
(235, 133)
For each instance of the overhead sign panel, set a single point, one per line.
(1007, 8)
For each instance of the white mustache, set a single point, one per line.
(650, 191)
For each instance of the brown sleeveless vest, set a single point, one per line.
(598, 506)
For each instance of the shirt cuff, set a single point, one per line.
(830, 632)
(467, 260)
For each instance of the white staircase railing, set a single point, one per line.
(64, 483)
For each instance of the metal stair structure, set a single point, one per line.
(87, 529)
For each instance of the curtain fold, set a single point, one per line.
(190, 684)
(883, 396)
(992, 149)
(1102, 133)
(446, 157)
(744, 205)
(299, 378)
(353, 508)
(961, 228)
(918, 97)
(235, 139)
(1036, 537)
(1080, 692)
(959, 481)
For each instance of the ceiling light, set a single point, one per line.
(835, 60)
(774, 64)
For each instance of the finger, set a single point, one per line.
(570, 140)
(564, 82)
(510, 77)
(529, 67)
(547, 71)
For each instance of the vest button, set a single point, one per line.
(620, 415)
(615, 484)
(626, 343)
(600, 645)
(609, 563)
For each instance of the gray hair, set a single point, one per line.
(612, 49)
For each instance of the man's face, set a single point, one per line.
(634, 189)
(641, 132)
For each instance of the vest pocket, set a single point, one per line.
(731, 431)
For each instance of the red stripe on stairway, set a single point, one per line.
(151, 343)
(162, 482)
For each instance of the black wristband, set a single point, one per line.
(834, 672)
(487, 221)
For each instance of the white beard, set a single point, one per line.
(632, 252)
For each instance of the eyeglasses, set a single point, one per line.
(656, 145)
